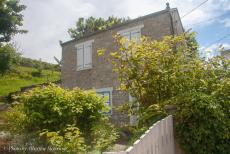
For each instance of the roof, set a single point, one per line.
(122, 24)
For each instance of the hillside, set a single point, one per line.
(22, 76)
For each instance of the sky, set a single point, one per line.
(48, 21)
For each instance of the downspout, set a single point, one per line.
(172, 23)
(171, 19)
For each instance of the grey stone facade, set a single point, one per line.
(226, 54)
(101, 75)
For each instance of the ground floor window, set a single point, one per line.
(106, 92)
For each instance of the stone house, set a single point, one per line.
(83, 68)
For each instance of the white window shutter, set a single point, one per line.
(87, 56)
(80, 58)
(136, 36)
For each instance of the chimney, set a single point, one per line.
(167, 6)
(60, 42)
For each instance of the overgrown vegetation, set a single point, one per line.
(19, 77)
(170, 72)
(38, 64)
(91, 24)
(69, 119)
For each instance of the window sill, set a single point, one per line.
(82, 69)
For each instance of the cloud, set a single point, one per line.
(226, 22)
(217, 46)
(48, 21)
(213, 50)
(210, 10)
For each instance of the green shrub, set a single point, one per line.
(53, 109)
(103, 135)
(16, 119)
(71, 141)
(202, 124)
(151, 114)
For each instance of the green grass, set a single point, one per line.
(21, 77)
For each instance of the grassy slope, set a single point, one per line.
(12, 82)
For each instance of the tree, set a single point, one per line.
(8, 57)
(87, 26)
(10, 19)
(170, 71)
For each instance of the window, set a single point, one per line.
(133, 33)
(84, 55)
(106, 92)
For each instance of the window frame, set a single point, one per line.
(130, 30)
(83, 45)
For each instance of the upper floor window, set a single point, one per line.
(133, 33)
(84, 55)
